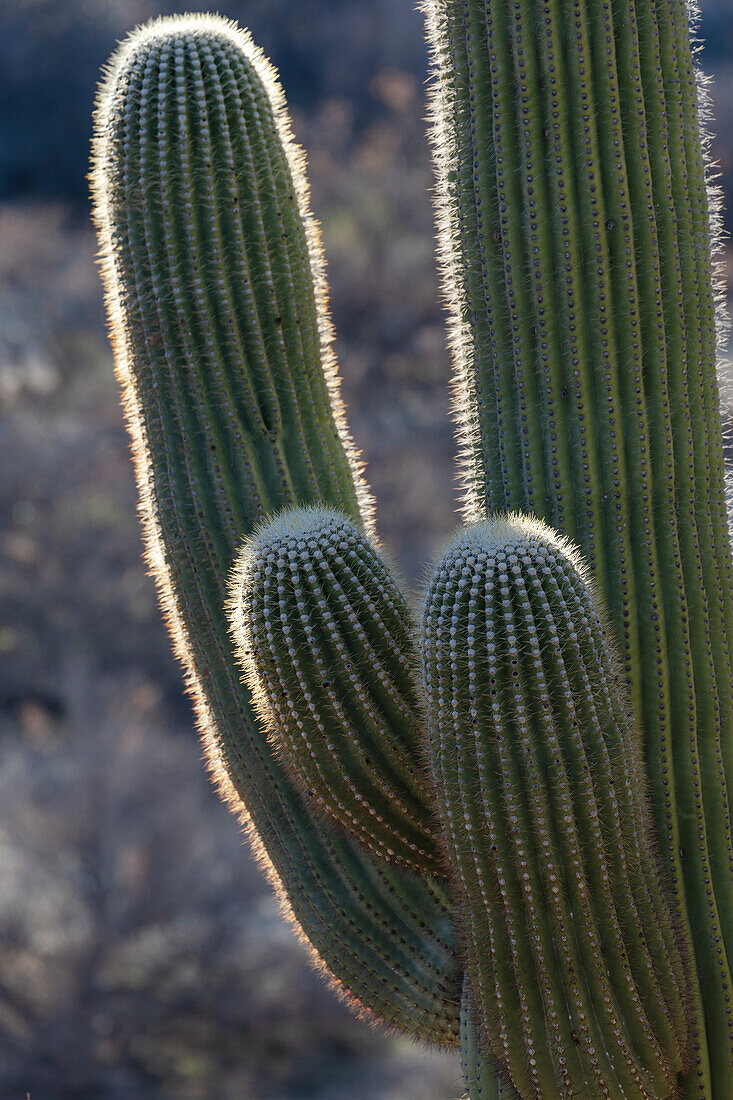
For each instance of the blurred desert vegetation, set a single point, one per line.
(141, 953)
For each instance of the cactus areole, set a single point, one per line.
(498, 816)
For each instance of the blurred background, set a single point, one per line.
(141, 954)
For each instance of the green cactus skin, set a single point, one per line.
(479, 1076)
(580, 976)
(575, 237)
(216, 298)
(328, 648)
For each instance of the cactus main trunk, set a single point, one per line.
(575, 237)
(215, 291)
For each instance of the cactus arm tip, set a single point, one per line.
(325, 640)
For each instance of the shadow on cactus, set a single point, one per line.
(501, 822)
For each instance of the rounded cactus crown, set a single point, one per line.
(326, 641)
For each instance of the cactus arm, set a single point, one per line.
(537, 774)
(215, 292)
(499, 941)
(326, 642)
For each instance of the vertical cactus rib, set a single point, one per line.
(217, 304)
(479, 1077)
(600, 101)
(539, 783)
(702, 523)
(708, 556)
(327, 646)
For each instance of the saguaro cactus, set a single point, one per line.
(457, 820)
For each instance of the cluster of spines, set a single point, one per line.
(583, 322)
(215, 294)
(579, 978)
(327, 644)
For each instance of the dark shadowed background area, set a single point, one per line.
(141, 953)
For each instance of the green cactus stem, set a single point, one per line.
(327, 644)
(575, 237)
(216, 298)
(580, 978)
(479, 1075)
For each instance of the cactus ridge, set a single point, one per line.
(539, 784)
(327, 644)
(582, 305)
(480, 1078)
(216, 297)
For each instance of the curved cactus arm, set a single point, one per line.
(327, 644)
(575, 239)
(216, 299)
(579, 973)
